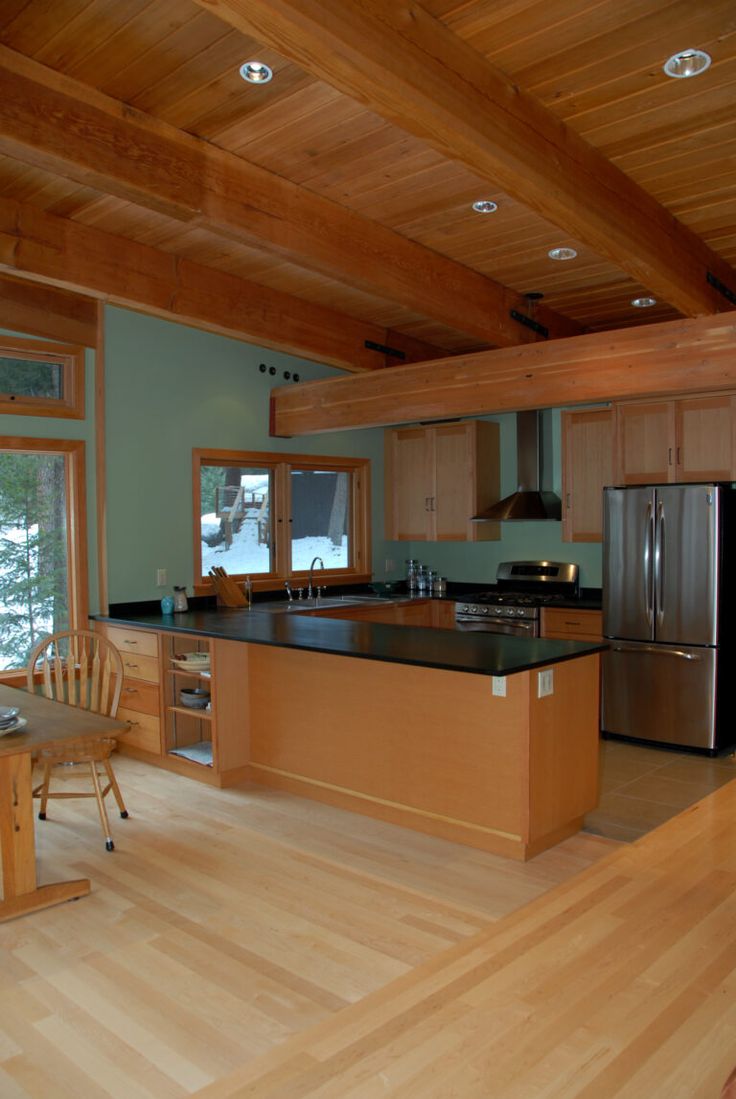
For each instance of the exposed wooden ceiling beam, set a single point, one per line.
(63, 126)
(49, 312)
(689, 356)
(396, 59)
(40, 246)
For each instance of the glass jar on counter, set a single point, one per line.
(411, 574)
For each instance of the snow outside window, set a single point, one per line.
(267, 516)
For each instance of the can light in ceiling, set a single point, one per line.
(687, 63)
(485, 206)
(256, 72)
(643, 303)
(562, 253)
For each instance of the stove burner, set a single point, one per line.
(513, 598)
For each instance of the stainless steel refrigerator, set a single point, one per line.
(667, 610)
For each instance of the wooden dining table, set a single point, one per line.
(48, 724)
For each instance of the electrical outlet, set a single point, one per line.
(388, 565)
(545, 683)
(160, 578)
(498, 685)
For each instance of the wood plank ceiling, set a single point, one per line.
(333, 205)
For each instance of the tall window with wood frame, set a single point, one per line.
(43, 560)
(267, 516)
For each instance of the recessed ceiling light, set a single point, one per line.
(562, 253)
(687, 63)
(256, 72)
(643, 303)
(485, 206)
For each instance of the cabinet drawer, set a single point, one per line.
(140, 667)
(139, 696)
(133, 641)
(575, 625)
(144, 731)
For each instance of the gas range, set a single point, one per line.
(522, 587)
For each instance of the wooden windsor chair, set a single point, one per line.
(83, 669)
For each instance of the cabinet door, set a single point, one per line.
(408, 479)
(646, 443)
(588, 440)
(451, 501)
(704, 435)
(466, 480)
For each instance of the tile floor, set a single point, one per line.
(642, 787)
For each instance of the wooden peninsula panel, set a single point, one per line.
(430, 749)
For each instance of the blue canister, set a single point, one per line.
(167, 604)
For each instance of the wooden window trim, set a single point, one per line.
(71, 358)
(281, 464)
(73, 451)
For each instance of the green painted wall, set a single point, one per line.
(170, 389)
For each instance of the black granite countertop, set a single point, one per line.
(476, 653)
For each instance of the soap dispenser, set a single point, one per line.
(180, 599)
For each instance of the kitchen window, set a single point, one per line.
(267, 516)
(43, 544)
(38, 378)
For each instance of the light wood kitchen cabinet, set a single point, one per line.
(437, 477)
(588, 465)
(207, 745)
(571, 625)
(690, 439)
(140, 702)
(433, 614)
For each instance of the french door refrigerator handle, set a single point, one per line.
(659, 562)
(660, 650)
(648, 570)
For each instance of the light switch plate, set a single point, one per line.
(545, 683)
(160, 578)
(499, 685)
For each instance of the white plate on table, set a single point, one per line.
(15, 727)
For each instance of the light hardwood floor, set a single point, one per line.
(226, 924)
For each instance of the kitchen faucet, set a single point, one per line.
(311, 571)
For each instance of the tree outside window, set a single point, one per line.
(41, 578)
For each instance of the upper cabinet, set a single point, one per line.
(588, 441)
(438, 477)
(691, 439)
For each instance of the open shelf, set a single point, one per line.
(199, 752)
(191, 711)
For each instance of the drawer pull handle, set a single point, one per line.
(129, 665)
(133, 722)
(131, 690)
(126, 641)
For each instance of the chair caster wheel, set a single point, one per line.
(124, 814)
(109, 845)
(42, 816)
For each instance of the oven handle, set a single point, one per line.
(486, 625)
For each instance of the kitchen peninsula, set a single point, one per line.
(486, 740)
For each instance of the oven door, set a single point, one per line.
(527, 627)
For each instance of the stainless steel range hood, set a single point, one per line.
(530, 501)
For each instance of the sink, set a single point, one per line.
(282, 606)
